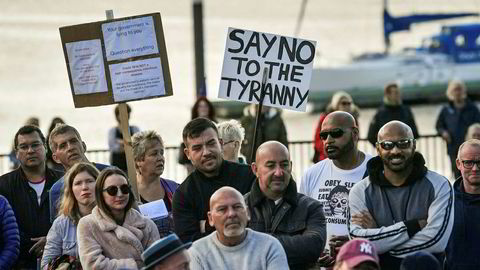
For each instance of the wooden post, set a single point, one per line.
(259, 111)
(127, 138)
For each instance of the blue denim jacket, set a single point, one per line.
(61, 239)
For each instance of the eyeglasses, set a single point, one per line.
(401, 144)
(113, 190)
(225, 143)
(468, 164)
(334, 133)
(346, 103)
(35, 146)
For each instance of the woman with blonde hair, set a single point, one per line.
(341, 101)
(114, 235)
(148, 155)
(78, 201)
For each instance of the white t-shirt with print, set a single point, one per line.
(330, 185)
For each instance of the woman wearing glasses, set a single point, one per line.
(114, 235)
(78, 201)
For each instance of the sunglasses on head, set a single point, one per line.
(113, 190)
(334, 133)
(401, 144)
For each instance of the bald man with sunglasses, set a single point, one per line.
(401, 207)
(330, 180)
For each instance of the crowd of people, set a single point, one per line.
(236, 210)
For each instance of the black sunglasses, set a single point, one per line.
(334, 133)
(113, 190)
(401, 144)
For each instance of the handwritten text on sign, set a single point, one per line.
(289, 62)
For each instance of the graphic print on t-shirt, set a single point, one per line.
(334, 197)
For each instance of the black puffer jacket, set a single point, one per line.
(298, 223)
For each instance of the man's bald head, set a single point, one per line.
(225, 191)
(229, 215)
(269, 147)
(394, 129)
(339, 119)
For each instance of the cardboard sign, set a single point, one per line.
(289, 62)
(116, 61)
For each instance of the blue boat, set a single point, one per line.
(423, 73)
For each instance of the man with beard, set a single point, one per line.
(463, 249)
(401, 207)
(26, 189)
(345, 165)
(191, 200)
(68, 149)
(233, 246)
(277, 209)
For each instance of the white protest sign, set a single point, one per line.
(289, 62)
(154, 210)
(137, 79)
(129, 38)
(86, 66)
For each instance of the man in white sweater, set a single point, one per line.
(232, 245)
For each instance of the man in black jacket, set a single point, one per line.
(392, 109)
(277, 209)
(26, 189)
(191, 200)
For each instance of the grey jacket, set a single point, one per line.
(396, 210)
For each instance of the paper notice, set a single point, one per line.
(154, 210)
(86, 66)
(129, 38)
(137, 79)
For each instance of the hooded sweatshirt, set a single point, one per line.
(397, 211)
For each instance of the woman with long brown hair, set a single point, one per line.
(78, 201)
(114, 235)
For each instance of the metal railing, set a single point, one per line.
(432, 147)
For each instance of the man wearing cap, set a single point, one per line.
(401, 207)
(168, 253)
(357, 254)
(330, 180)
(232, 245)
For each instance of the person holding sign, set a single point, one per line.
(148, 150)
(330, 180)
(114, 235)
(78, 200)
(191, 200)
(115, 141)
